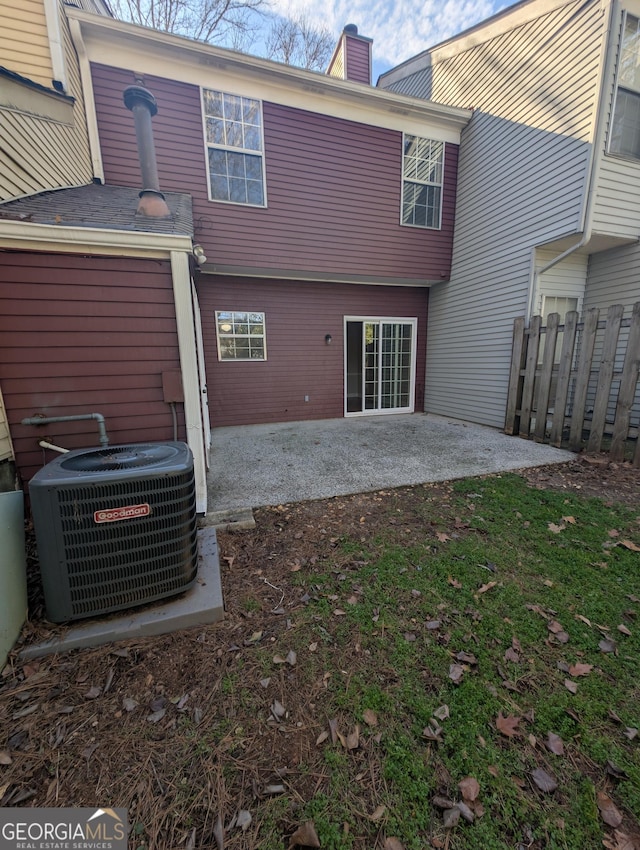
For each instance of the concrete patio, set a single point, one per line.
(258, 465)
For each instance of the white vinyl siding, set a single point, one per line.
(566, 279)
(617, 203)
(522, 171)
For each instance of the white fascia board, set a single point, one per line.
(147, 51)
(81, 240)
(498, 24)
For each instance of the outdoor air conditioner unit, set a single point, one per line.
(115, 527)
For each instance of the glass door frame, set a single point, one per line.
(380, 320)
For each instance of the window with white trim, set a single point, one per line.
(624, 135)
(241, 336)
(422, 171)
(235, 159)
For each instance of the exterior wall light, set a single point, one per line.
(327, 339)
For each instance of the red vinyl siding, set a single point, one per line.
(85, 335)
(358, 66)
(298, 315)
(333, 187)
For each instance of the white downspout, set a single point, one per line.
(595, 155)
(185, 322)
(89, 102)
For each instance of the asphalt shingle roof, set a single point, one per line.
(109, 207)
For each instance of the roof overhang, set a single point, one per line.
(144, 50)
(21, 235)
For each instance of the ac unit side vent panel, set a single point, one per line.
(110, 539)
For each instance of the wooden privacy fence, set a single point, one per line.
(580, 388)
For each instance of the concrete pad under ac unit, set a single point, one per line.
(200, 605)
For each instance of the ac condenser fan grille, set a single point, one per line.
(119, 457)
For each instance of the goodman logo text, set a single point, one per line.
(116, 514)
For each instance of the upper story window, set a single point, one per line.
(422, 167)
(624, 137)
(233, 132)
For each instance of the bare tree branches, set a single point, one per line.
(296, 41)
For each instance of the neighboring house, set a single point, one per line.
(548, 214)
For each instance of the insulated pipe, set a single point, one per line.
(46, 445)
(46, 420)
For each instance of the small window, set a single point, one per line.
(233, 133)
(422, 167)
(241, 336)
(624, 137)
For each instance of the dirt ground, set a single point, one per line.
(70, 738)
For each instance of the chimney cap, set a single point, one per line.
(133, 95)
(350, 29)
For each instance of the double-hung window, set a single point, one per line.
(233, 133)
(422, 168)
(624, 137)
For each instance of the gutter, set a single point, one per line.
(595, 155)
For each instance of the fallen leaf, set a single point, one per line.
(456, 672)
(608, 811)
(442, 713)
(352, 600)
(265, 682)
(571, 686)
(555, 744)
(544, 780)
(93, 693)
(442, 537)
(333, 729)
(393, 844)
(5, 758)
(512, 655)
(305, 836)
(607, 645)
(277, 709)
(278, 659)
(624, 630)
(615, 771)
(322, 737)
(571, 520)
(556, 529)
(292, 658)
(443, 802)
(432, 732)
(486, 587)
(243, 820)
(218, 829)
(156, 716)
(370, 717)
(533, 741)
(129, 704)
(580, 669)
(313, 647)
(466, 657)
(465, 811)
(469, 788)
(272, 790)
(507, 725)
(451, 817)
(613, 532)
(583, 619)
(432, 625)
(255, 637)
(554, 627)
(493, 770)
(630, 733)
(338, 612)
(353, 738)
(378, 813)
(622, 841)
(629, 544)
(409, 636)
(454, 582)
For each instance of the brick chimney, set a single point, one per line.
(351, 59)
(143, 105)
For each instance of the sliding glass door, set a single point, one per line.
(379, 365)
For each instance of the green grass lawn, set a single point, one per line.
(389, 624)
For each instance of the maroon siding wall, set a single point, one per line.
(298, 315)
(333, 187)
(85, 335)
(358, 60)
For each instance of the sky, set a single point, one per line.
(399, 28)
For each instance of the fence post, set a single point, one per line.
(628, 384)
(530, 375)
(564, 376)
(544, 381)
(514, 376)
(605, 375)
(582, 378)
